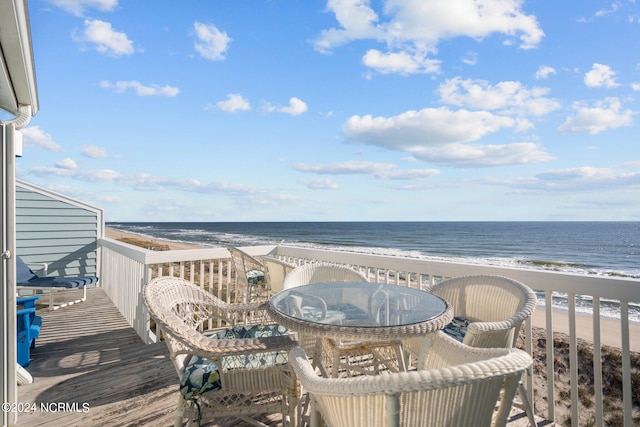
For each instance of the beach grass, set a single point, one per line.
(611, 380)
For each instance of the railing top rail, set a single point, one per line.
(147, 256)
(622, 288)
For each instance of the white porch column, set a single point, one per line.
(9, 391)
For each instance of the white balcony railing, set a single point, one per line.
(126, 269)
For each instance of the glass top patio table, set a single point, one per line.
(359, 310)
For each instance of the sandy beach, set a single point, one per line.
(610, 328)
(171, 245)
(610, 331)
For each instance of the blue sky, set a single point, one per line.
(290, 110)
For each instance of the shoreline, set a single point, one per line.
(610, 329)
(114, 234)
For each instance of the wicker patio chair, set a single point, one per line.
(489, 311)
(250, 277)
(319, 272)
(239, 368)
(454, 386)
(345, 358)
(275, 270)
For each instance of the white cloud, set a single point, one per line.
(474, 155)
(77, 7)
(345, 168)
(295, 108)
(234, 102)
(106, 39)
(145, 182)
(81, 175)
(357, 19)
(140, 89)
(508, 97)
(409, 174)
(604, 115)
(94, 152)
(544, 71)
(33, 136)
(635, 86)
(614, 6)
(400, 62)
(241, 194)
(67, 164)
(441, 136)
(428, 127)
(375, 169)
(413, 28)
(600, 76)
(318, 184)
(470, 58)
(585, 178)
(212, 43)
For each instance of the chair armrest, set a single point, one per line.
(28, 302)
(194, 342)
(492, 334)
(25, 311)
(440, 350)
(312, 299)
(41, 266)
(503, 325)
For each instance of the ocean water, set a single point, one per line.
(601, 248)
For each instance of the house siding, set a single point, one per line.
(56, 230)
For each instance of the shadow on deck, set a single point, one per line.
(90, 368)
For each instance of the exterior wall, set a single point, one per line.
(56, 230)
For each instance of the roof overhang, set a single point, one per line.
(17, 70)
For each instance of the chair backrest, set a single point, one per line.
(489, 298)
(244, 265)
(317, 273)
(275, 270)
(178, 303)
(460, 393)
(23, 272)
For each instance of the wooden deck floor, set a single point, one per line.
(88, 355)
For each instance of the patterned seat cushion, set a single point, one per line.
(457, 328)
(255, 277)
(202, 376)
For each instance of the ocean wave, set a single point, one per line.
(305, 239)
(206, 237)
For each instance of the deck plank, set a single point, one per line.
(88, 354)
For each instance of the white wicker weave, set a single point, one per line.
(319, 273)
(496, 307)
(455, 386)
(275, 271)
(181, 309)
(247, 269)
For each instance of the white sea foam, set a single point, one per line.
(342, 242)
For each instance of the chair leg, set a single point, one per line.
(180, 413)
(524, 402)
